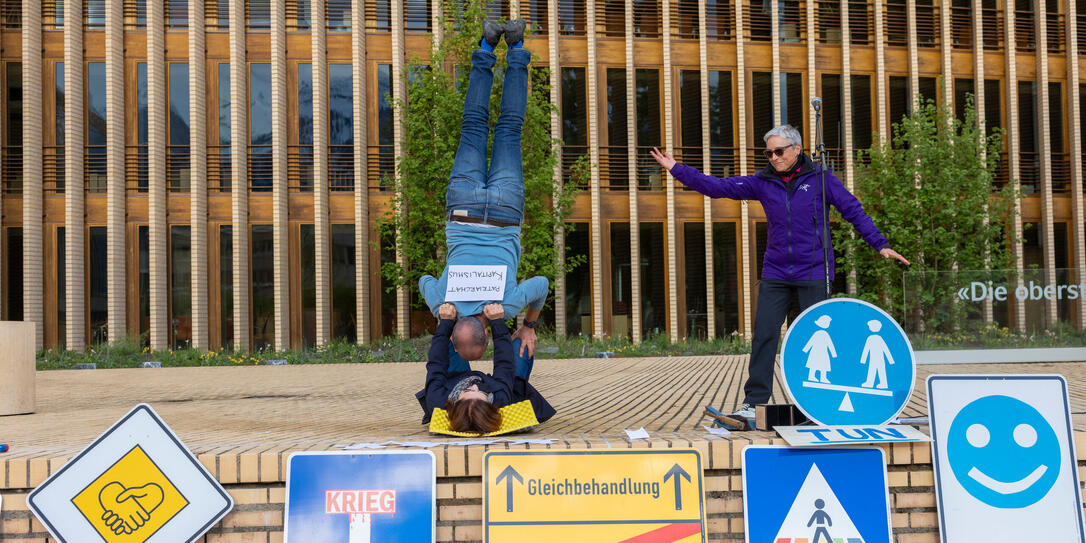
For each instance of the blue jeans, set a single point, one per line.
(458, 365)
(497, 193)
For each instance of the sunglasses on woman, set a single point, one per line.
(779, 151)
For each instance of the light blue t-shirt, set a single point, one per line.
(474, 245)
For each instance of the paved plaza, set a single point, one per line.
(218, 409)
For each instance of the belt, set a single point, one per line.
(480, 220)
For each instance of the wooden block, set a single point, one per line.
(767, 416)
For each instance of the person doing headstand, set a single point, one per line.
(484, 209)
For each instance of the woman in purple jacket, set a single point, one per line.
(789, 189)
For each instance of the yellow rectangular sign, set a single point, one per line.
(604, 495)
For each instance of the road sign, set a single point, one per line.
(136, 483)
(818, 436)
(356, 497)
(1004, 458)
(815, 495)
(593, 495)
(846, 362)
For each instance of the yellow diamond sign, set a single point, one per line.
(131, 500)
(136, 483)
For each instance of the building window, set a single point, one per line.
(899, 98)
(653, 278)
(339, 15)
(721, 127)
(1060, 161)
(225, 168)
(621, 292)
(726, 276)
(226, 285)
(417, 15)
(697, 307)
(1027, 137)
(54, 158)
(649, 175)
(571, 17)
(144, 284)
(62, 307)
(616, 175)
(340, 127)
(258, 15)
(260, 127)
(963, 89)
(180, 287)
(95, 158)
(262, 269)
(12, 158)
(95, 11)
(177, 152)
(141, 127)
(861, 111)
(98, 300)
(308, 250)
(578, 280)
(574, 119)
(344, 304)
(385, 159)
(13, 274)
(833, 130)
(177, 14)
(305, 127)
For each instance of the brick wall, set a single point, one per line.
(255, 480)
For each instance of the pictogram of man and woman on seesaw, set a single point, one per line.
(820, 349)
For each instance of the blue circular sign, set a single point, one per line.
(846, 362)
(1003, 452)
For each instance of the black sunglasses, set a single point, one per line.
(779, 151)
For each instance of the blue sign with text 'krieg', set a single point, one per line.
(846, 362)
(367, 496)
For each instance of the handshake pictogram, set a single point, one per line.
(128, 509)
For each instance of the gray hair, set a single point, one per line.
(475, 330)
(787, 132)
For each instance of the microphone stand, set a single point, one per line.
(820, 148)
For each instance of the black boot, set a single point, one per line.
(514, 32)
(492, 33)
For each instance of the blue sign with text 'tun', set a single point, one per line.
(846, 362)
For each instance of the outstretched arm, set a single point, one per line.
(853, 212)
(437, 361)
(736, 188)
(504, 368)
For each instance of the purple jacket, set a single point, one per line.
(794, 248)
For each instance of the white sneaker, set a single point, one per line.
(745, 411)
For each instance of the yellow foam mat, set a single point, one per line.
(515, 417)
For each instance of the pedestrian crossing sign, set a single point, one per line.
(815, 495)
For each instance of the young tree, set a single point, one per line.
(432, 115)
(930, 192)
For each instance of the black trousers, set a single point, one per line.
(774, 297)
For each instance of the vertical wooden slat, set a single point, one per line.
(198, 165)
(881, 112)
(361, 171)
(596, 227)
(914, 61)
(746, 232)
(1074, 130)
(631, 141)
(33, 122)
(944, 39)
(1014, 164)
(556, 133)
(672, 223)
(115, 171)
(280, 180)
(157, 233)
(239, 178)
(1048, 242)
(75, 297)
(706, 150)
(322, 237)
(399, 92)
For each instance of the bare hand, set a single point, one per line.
(446, 311)
(527, 340)
(890, 253)
(494, 312)
(664, 158)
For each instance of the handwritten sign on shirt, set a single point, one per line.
(475, 283)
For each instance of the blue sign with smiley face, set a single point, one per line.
(1003, 452)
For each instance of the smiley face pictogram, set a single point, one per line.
(1003, 452)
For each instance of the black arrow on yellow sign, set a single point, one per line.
(676, 472)
(509, 474)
